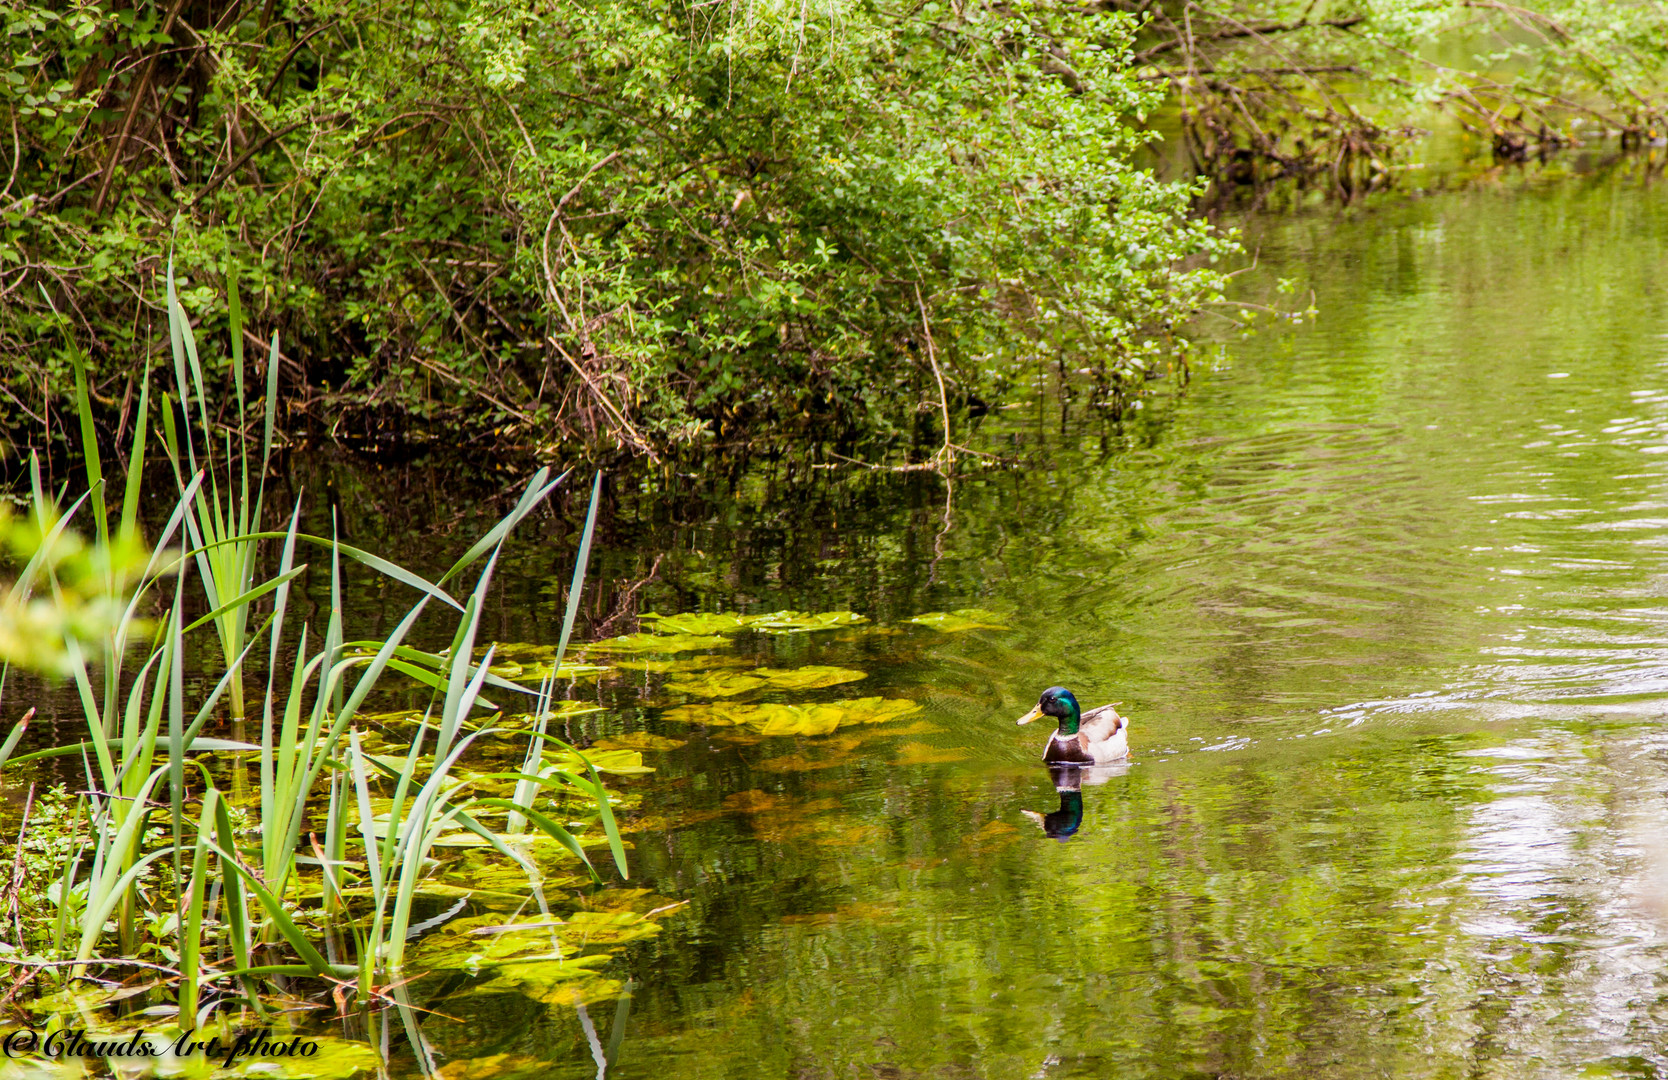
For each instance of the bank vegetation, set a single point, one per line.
(641, 228)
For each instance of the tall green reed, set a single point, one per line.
(146, 733)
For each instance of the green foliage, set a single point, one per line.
(587, 220)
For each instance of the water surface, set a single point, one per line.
(1386, 596)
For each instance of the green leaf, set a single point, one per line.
(961, 619)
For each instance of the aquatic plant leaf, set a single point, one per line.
(844, 913)
(656, 643)
(563, 986)
(816, 719)
(605, 928)
(697, 622)
(621, 762)
(798, 720)
(812, 677)
(570, 669)
(850, 836)
(716, 684)
(520, 651)
(559, 710)
(705, 662)
(637, 740)
(919, 727)
(732, 683)
(950, 622)
(799, 622)
(541, 948)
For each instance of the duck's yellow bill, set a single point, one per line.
(1035, 712)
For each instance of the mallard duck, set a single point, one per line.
(1095, 737)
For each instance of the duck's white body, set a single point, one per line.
(1097, 737)
(1102, 738)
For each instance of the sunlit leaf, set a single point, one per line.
(799, 622)
(961, 619)
(694, 622)
(570, 669)
(706, 662)
(622, 762)
(732, 683)
(812, 677)
(798, 720)
(656, 643)
(717, 684)
(637, 740)
(775, 622)
(816, 719)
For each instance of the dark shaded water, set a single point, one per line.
(1386, 597)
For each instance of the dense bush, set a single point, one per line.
(589, 219)
(648, 224)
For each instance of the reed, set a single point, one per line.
(232, 908)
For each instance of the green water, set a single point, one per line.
(1387, 599)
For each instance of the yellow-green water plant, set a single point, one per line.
(962, 619)
(770, 622)
(821, 718)
(732, 683)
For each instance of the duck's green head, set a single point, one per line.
(1059, 703)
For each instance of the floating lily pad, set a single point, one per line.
(817, 719)
(657, 643)
(570, 670)
(717, 684)
(950, 622)
(800, 622)
(729, 683)
(559, 710)
(811, 677)
(697, 622)
(775, 622)
(519, 651)
(619, 761)
(708, 662)
(638, 740)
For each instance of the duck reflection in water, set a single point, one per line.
(1068, 781)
